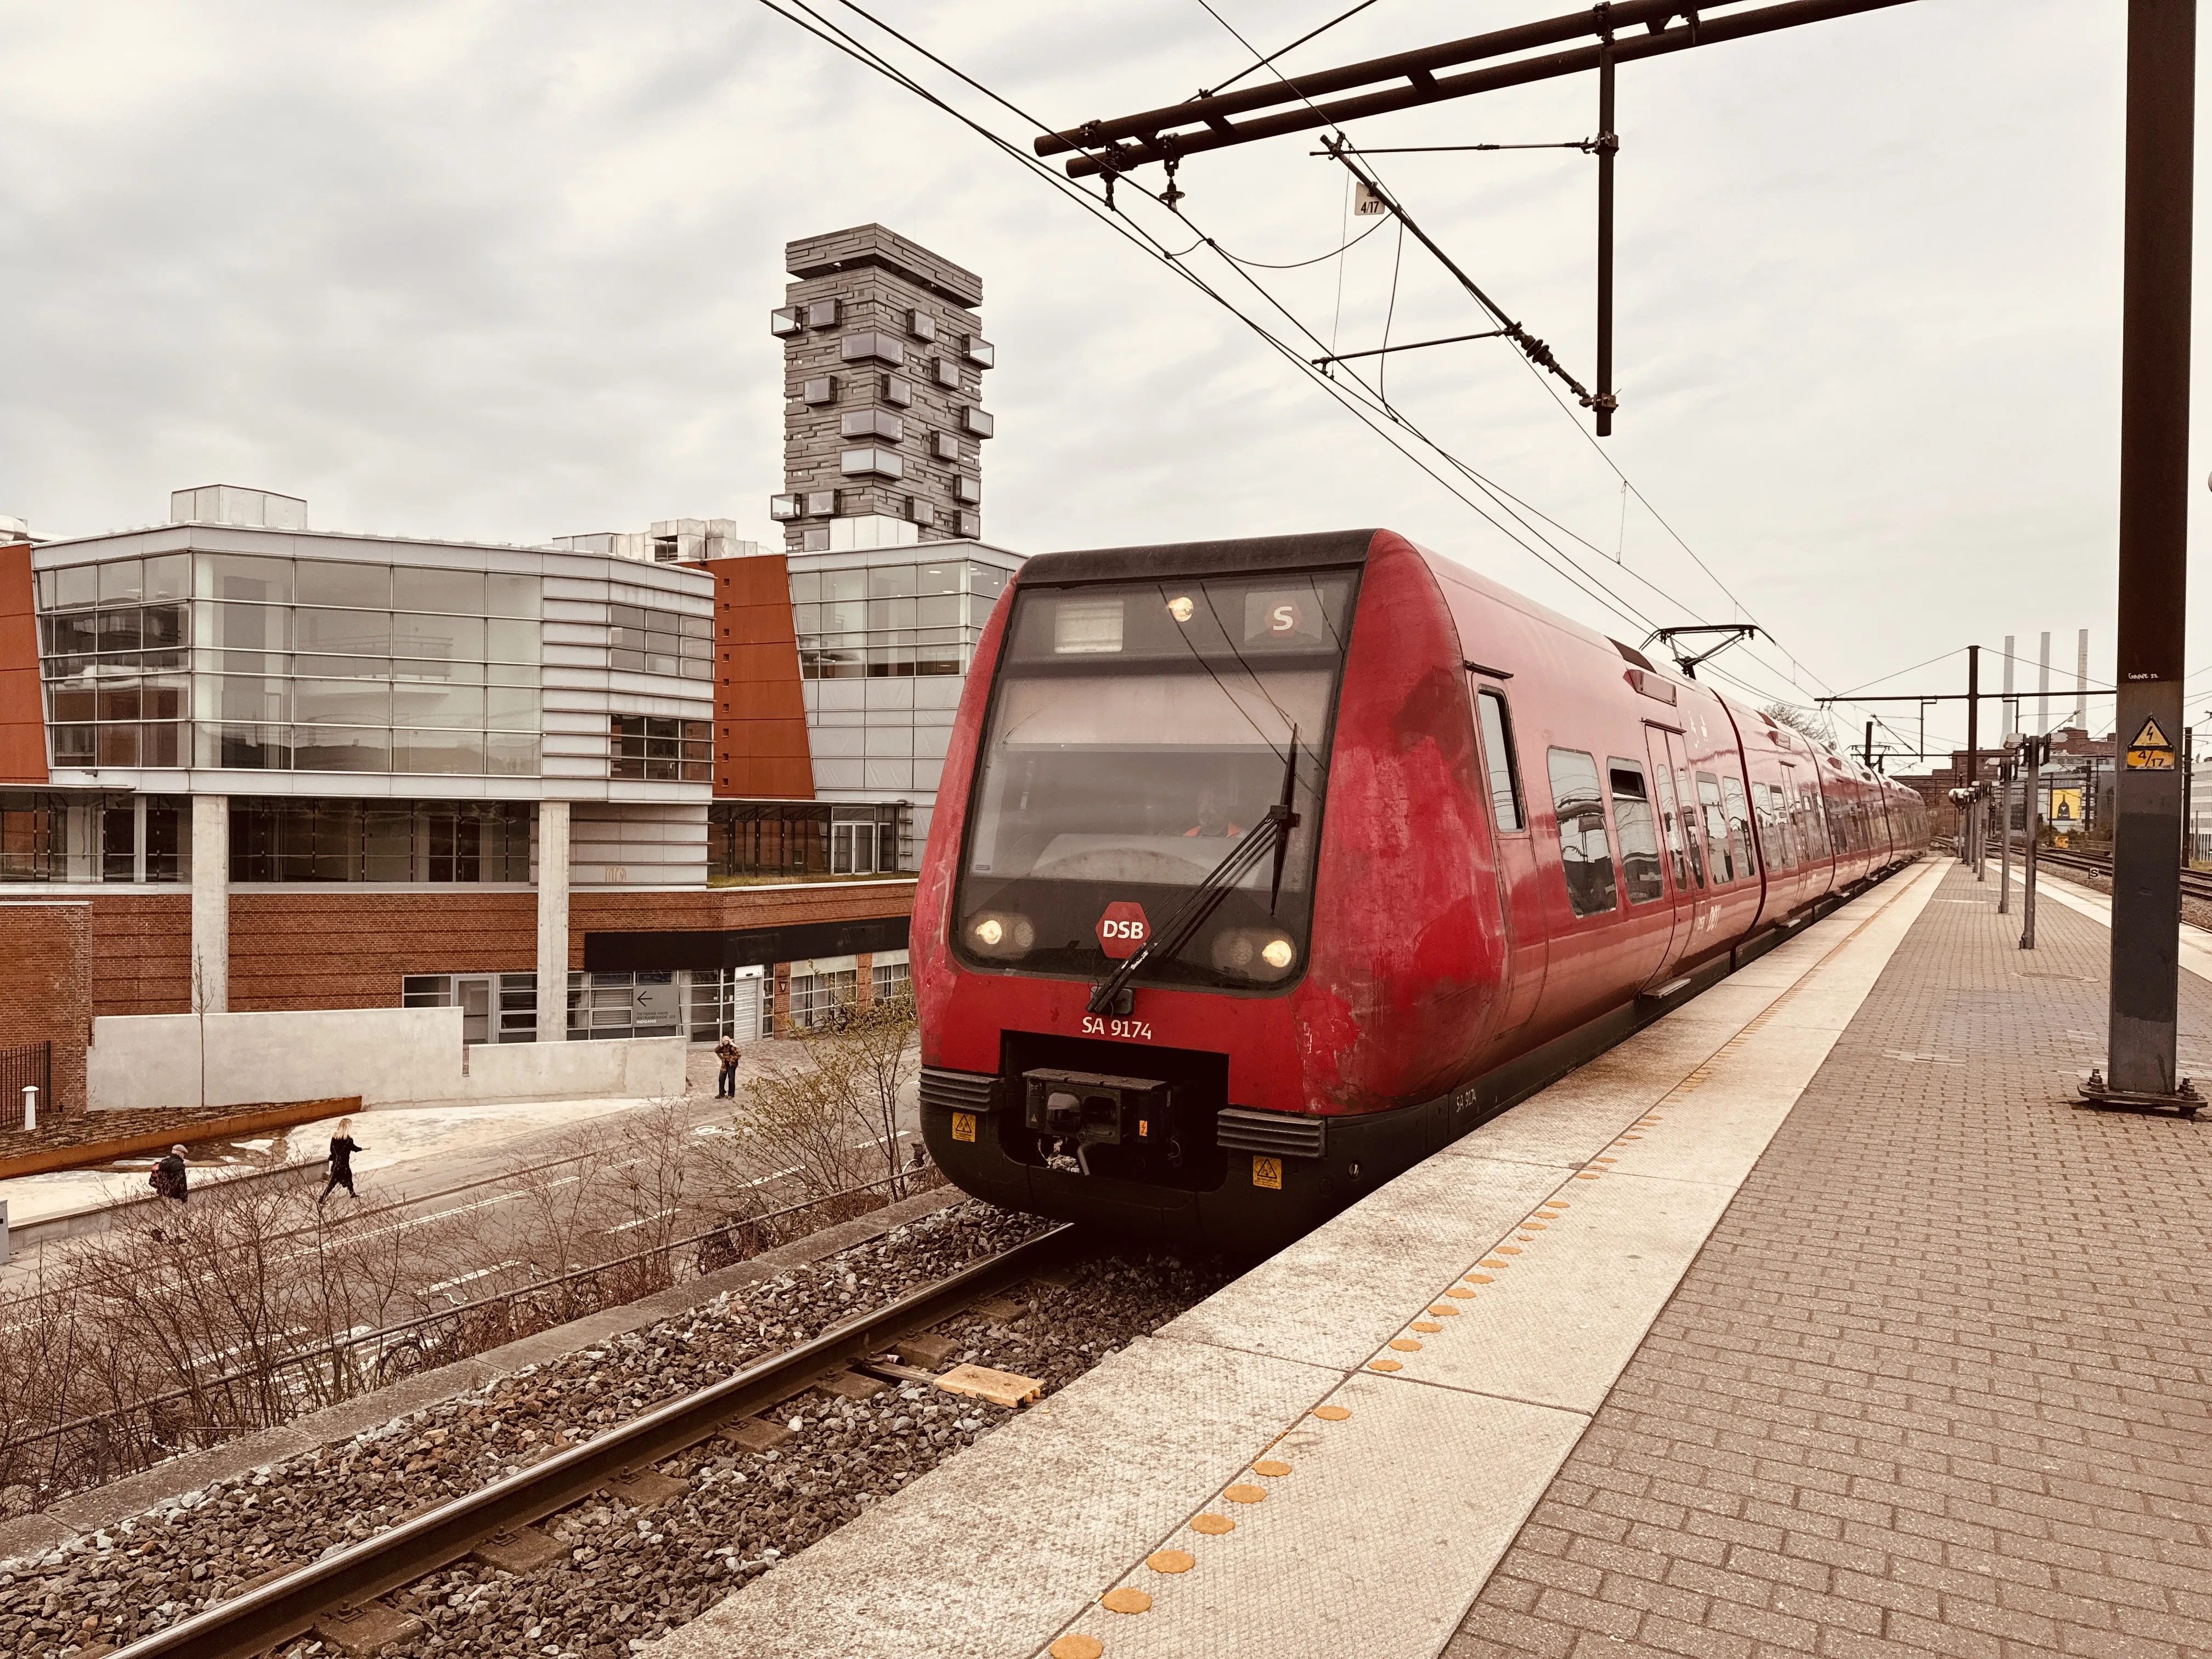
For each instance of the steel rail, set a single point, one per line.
(260, 1619)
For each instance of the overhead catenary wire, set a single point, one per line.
(1268, 62)
(1338, 146)
(1498, 508)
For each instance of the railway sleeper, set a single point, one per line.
(369, 1628)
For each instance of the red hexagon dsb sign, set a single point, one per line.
(1122, 929)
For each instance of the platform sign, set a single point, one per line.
(1122, 929)
(1366, 204)
(2151, 751)
(2065, 809)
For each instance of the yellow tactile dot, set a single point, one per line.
(1603, 1160)
(1076, 1647)
(1443, 1310)
(1509, 1249)
(1632, 1137)
(1479, 1279)
(1461, 1291)
(1384, 1365)
(1126, 1600)
(1588, 1174)
(1171, 1561)
(1556, 1204)
(1531, 1226)
(1245, 1494)
(1493, 1262)
(1273, 1468)
(1331, 1414)
(1426, 1326)
(1214, 1526)
(1405, 1345)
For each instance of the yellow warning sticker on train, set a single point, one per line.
(1267, 1172)
(964, 1126)
(2151, 750)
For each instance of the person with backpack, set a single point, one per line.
(169, 1178)
(343, 1148)
(726, 1086)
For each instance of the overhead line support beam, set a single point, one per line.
(1154, 136)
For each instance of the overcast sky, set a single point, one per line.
(502, 271)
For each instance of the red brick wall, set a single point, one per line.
(46, 988)
(141, 946)
(333, 948)
(336, 949)
(760, 717)
(23, 715)
(715, 908)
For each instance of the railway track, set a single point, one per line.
(343, 1588)
(2196, 883)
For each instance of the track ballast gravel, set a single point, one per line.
(630, 1575)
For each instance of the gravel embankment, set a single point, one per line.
(630, 1575)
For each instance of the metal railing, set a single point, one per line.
(31, 1067)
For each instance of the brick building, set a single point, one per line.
(612, 785)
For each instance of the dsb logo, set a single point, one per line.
(1122, 929)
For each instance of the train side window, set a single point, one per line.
(1638, 831)
(1498, 755)
(1717, 830)
(1739, 817)
(1585, 855)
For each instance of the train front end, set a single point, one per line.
(1129, 1014)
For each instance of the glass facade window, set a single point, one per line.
(893, 620)
(819, 1000)
(301, 839)
(649, 746)
(646, 641)
(803, 840)
(866, 346)
(871, 423)
(49, 836)
(892, 981)
(244, 662)
(495, 1008)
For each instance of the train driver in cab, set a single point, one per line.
(1212, 818)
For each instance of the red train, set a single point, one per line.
(1261, 869)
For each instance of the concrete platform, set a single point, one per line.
(1347, 1441)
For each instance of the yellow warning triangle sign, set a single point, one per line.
(2151, 738)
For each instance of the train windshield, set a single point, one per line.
(1138, 735)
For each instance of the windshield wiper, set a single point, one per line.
(1111, 994)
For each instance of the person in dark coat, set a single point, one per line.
(726, 1086)
(169, 1179)
(343, 1148)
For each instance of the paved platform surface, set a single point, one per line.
(1332, 1454)
(1937, 1383)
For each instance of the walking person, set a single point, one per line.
(726, 1086)
(343, 1148)
(169, 1178)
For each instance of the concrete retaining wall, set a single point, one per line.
(388, 1056)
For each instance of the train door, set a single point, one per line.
(1665, 748)
(1520, 896)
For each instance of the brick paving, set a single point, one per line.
(1937, 1383)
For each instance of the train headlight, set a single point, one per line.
(1181, 609)
(1260, 954)
(1001, 934)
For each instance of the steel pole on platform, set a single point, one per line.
(2036, 747)
(1972, 836)
(2153, 553)
(2004, 834)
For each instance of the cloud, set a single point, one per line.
(502, 271)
